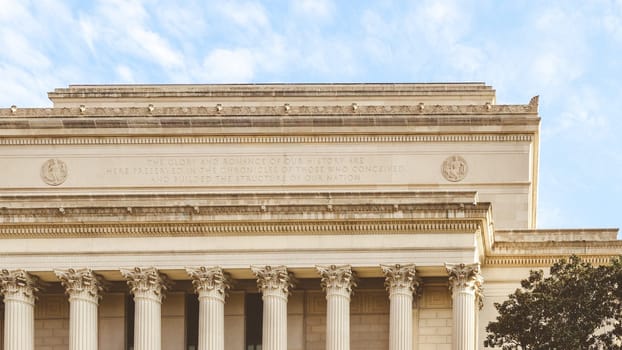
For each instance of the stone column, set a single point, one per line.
(465, 283)
(337, 281)
(84, 288)
(274, 283)
(148, 286)
(401, 283)
(211, 284)
(19, 288)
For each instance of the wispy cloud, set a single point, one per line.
(229, 66)
(567, 51)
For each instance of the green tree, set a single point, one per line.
(576, 308)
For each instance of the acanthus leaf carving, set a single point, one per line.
(146, 282)
(81, 282)
(19, 284)
(209, 279)
(273, 278)
(400, 277)
(466, 277)
(337, 277)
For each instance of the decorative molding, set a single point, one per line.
(466, 277)
(454, 168)
(212, 228)
(20, 285)
(81, 282)
(146, 282)
(273, 278)
(96, 213)
(547, 260)
(337, 277)
(237, 139)
(209, 279)
(54, 172)
(400, 277)
(427, 210)
(290, 110)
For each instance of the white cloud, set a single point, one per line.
(314, 9)
(123, 29)
(554, 68)
(441, 22)
(125, 74)
(249, 14)
(19, 50)
(231, 66)
(88, 33)
(584, 115)
(155, 47)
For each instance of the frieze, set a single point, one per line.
(237, 139)
(210, 228)
(548, 260)
(420, 211)
(54, 172)
(454, 168)
(286, 109)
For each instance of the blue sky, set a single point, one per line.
(568, 52)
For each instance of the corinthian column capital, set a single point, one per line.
(209, 280)
(273, 278)
(19, 285)
(400, 278)
(466, 278)
(337, 277)
(81, 283)
(146, 282)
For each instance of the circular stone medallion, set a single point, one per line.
(454, 168)
(54, 172)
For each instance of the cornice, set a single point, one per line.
(284, 110)
(272, 139)
(194, 229)
(545, 259)
(269, 90)
(227, 215)
(219, 115)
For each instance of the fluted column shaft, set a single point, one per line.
(19, 288)
(84, 289)
(465, 282)
(274, 283)
(338, 282)
(211, 285)
(401, 283)
(147, 322)
(148, 287)
(82, 322)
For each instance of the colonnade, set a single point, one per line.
(148, 287)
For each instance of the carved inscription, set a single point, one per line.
(255, 170)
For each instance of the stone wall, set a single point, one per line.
(52, 322)
(369, 320)
(433, 318)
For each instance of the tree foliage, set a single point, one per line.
(577, 307)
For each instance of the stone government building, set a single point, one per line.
(270, 216)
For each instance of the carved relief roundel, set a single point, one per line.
(54, 172)
(454, 168)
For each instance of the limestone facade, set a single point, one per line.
(286, 216)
